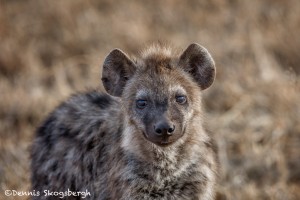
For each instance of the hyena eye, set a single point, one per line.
(141, 104)
(181, 99)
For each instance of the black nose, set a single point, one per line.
(164, 128)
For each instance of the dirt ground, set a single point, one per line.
(51, 49)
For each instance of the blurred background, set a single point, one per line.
(51, 49)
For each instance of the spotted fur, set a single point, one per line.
(94, 141)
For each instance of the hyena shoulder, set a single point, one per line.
(78, 113)
(70, 139)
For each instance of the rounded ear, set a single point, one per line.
(197, 61)
(117, 69)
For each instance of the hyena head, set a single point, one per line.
(160, 92)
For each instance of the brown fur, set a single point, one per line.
(112, 147)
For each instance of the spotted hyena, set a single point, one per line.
(142, 140)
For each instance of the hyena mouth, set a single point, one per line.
(165, 143)
(161, 141)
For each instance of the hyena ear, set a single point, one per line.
(197, 61)
(117, 69)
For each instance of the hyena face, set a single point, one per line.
(158, 106)
(160, 92)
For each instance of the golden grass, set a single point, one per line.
(50, 49)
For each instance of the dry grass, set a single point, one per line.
(50, 49)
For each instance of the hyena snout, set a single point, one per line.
(163, 131)
(164, 128)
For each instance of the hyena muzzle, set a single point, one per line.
(143, 140)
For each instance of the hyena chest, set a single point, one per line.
(168, 190)
(162, 184)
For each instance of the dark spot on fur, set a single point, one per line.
(54, 166)
(90, 145)
(64, 131)
(101, 100)
(156, 194)
(102, 134)
(144, 176)
(45, 128)
(90, 168)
